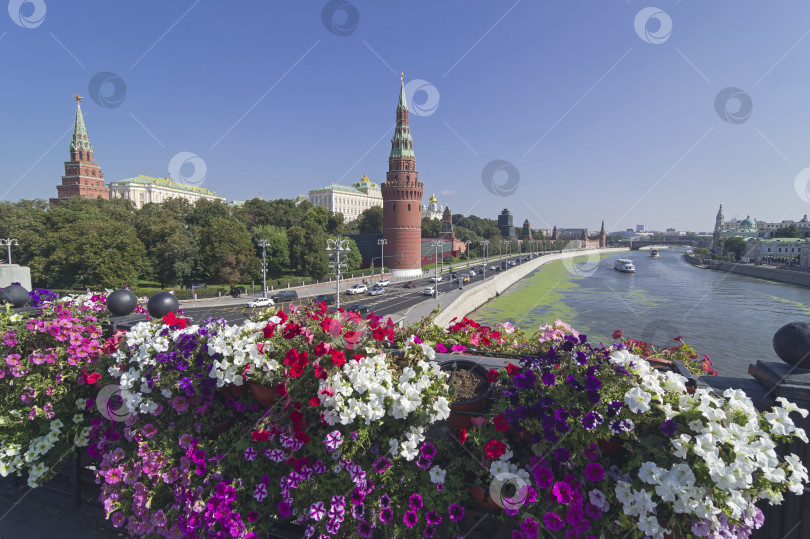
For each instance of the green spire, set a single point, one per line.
(403, 103)
(80, 139)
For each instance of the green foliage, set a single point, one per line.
(277, 251)
(227, 253)
(791, 231)
(370, 221)
(431, 227)
(735, 246)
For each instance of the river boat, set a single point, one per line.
(624, 265)
(654, 253)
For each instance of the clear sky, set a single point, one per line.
(603, 108)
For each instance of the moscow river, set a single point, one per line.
(730, 317)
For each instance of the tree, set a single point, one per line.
(371, 221)
(791, 231)
(171, 246)
(228, 255)
(278, 250)
(307, 244)
(431, 228)
(735, 245)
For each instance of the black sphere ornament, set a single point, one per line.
(161, 304)
(792, 344)
(14, 294)
(122, 302)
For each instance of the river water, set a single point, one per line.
(730, 317)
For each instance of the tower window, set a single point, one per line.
(409, 207)
(394, 207)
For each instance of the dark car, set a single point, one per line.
(285, 295)
(329, 299)
(359, 308)
(410, 284)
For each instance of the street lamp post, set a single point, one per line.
(436, 245)
(381, 242)
(485, 248)
(468, 253)
(520, 247)
(8, 242)
(337, 250)
(263, 244)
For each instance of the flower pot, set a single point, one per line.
(611, 446)
(264, 395)
(481, 496)
(461, 412)
(222, 426)
(237, 391)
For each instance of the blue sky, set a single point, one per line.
(601, 115)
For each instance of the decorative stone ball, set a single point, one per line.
(791, 343)
(14, 294)
(122, 302)
(161, 304)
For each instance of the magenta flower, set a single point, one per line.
(456, 512)
(410, 519)
(333, 440)
(428, 450)
(381, 464)
(553, 521)
(180, 404)
(562, 492)
(149, 430)
(543, 477)
(594, 471)
(261, 492)
(458, 348)
(440, 348)
(284, 509)
(415, 502)
(118, 519)
(530, 528)
(317, 511)
(276, 455)
(386, 515)
(433, 517)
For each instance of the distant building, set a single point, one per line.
(526, 233)
(142, 190)
(641, 228)
(506, 224)
(580, 237)
(350, 201)
(433, 210)
(768, 230)
(760, 249)
(83, 177)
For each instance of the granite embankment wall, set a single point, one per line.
(471, 299)
(771, 274)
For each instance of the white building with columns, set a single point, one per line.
(142, 190)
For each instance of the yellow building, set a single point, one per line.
(142, 190)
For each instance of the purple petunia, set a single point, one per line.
(423, 463)
(594, 471)
(669, 427)
(385, 501)
(415, 502)
(381, 465)
(552, 521)
(428, 450)
(562, 492)
(562, 455)
(433, 517)
(430, 532)
(530, 528)
(456, 512)
(364, 529)
(386, 515)
(333, 440)
(410, 518)
(543, 477)
(548, 379)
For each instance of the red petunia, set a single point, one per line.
(282, 390)
(320, 372)
(501, 423)
(290, 330)
(338, 357)
(462, 435)
(296, 417)
(494, 449)
(358, 357)
(260, 435)
(320, 349)
(492, 376)
(512, 369)
(90, 378)
(281, 314)
(315, 401)
(268, 330)
(172, 320)
(353, 338)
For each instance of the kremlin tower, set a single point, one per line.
(402, 199)
(83, 177)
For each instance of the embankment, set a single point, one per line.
(761, 272)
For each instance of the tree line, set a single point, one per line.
(110, 243)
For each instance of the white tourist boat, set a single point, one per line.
(624, 265)
(654, 253)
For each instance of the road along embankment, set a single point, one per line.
(475, 296)
(761, 272)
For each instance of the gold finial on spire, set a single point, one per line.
(78, 98)
(402, 76)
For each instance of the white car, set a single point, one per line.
(357, 289)
(493, 268)
(471, 273)
(436, 279)
(383, 282)
(261, 302)
(429, 291)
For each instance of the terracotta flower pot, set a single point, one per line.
(264, 395)
(611, 446)
(222, 426)
(462, 412)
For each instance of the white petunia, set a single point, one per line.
(638, 400)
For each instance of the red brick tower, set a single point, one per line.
(603, 236)
(402, 199)
(83, 177)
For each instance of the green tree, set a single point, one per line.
(735, 246)
(171, 246)
(277, 251)
(307, 245)
(370, 221)
(791, 231)
(431, 228)
(228, 256)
